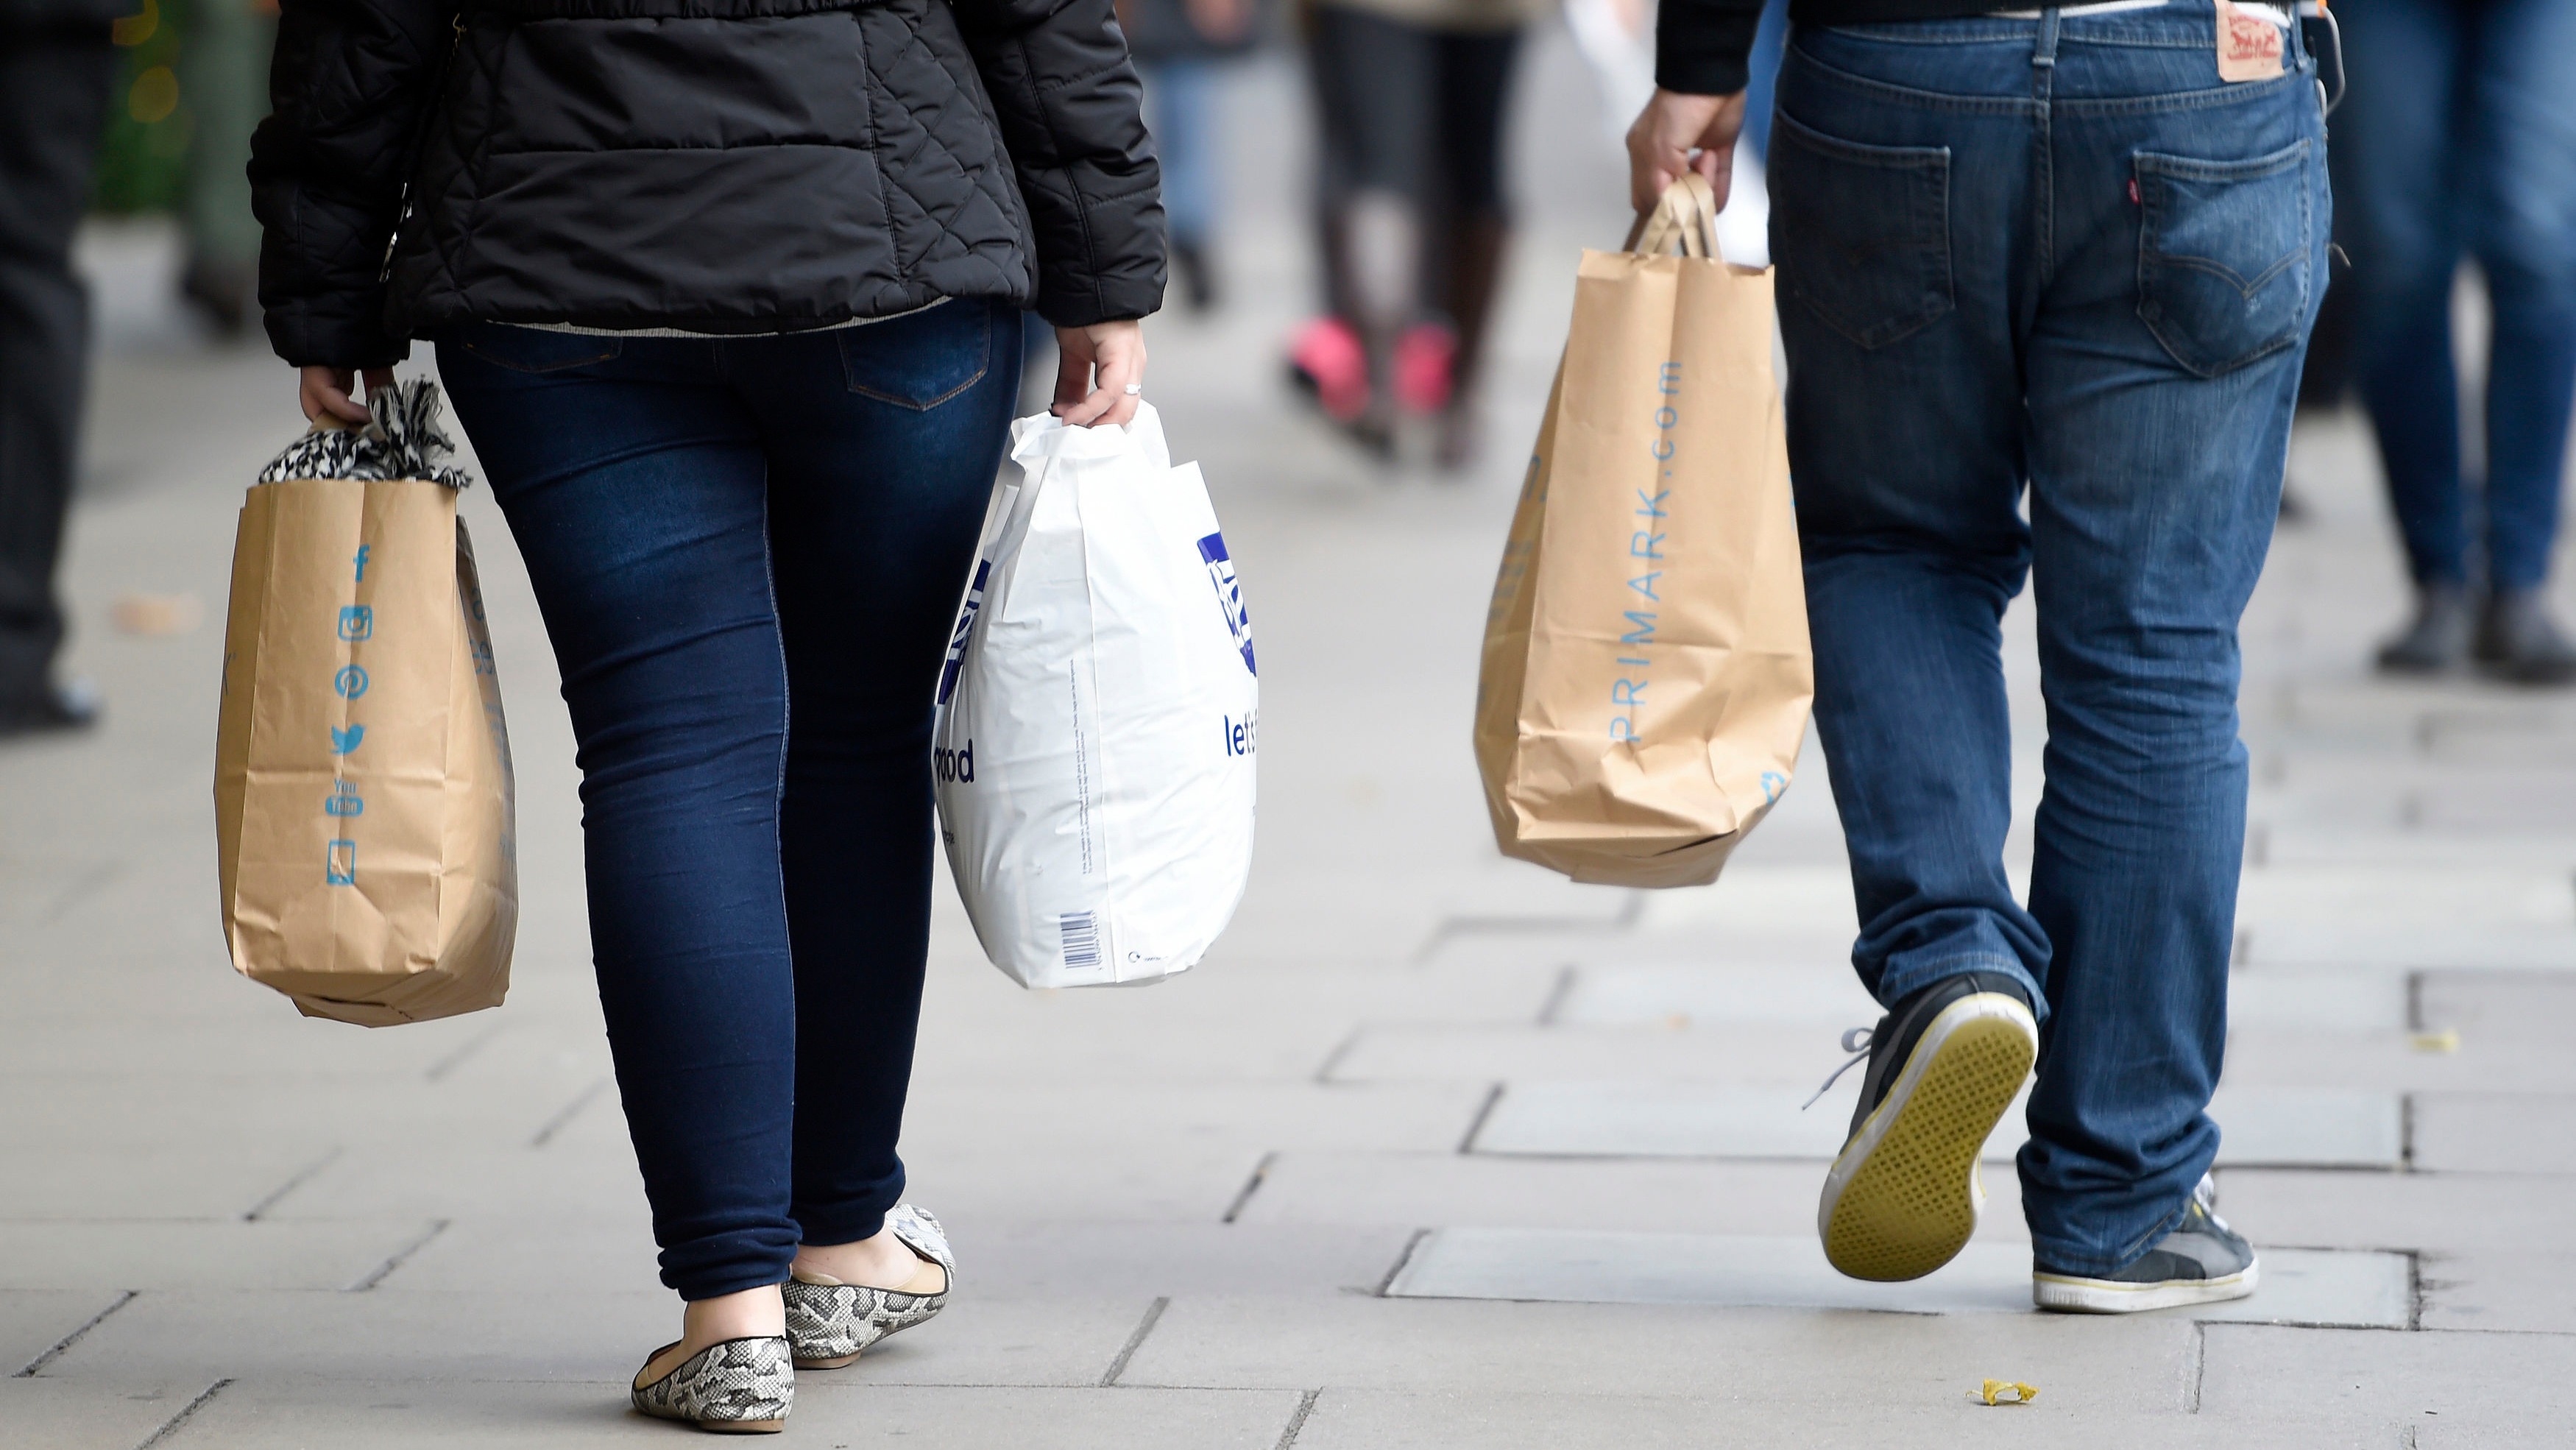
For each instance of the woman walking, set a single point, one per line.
(726, 293)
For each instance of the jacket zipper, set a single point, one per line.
(420, 140)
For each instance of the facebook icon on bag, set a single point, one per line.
(340, 863)
(357, 622)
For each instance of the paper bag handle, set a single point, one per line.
(1686, 215)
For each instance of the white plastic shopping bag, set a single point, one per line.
(1098, 714)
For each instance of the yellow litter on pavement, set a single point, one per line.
(2006, 1392)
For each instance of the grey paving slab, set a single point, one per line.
(2300, 844)
(498, 1250)
(1677, 994)
(2394, 1062)
(1719, 1052)
(839, 1410)
(1390, 1420)
(2526, 1379)
(1658, 1195)
(2509, 1007)
(2415, 896)
(35, 1322)
(546, 1333)
(1817, 898)
(2359, 1290)
(217, 1254)
(2306, 1127)
(168, 1180)
(1753, 1356)
(2494, 1133)
(95, 1111)
(2316, 1001)
(2499, 1290)
(2446, 1212)
(2465, 942)
(88, 1415)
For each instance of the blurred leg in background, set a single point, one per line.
(1465, 249)
(2521, 124)
(1412, 220)
(223, 76)
(1180, 46)
(1180, 106)
(2464, 145)
(55, 80)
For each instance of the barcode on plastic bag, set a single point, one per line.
(1081, 932)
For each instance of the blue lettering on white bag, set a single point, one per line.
(965, 627)
(1229, 595)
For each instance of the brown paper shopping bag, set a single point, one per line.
(363, 796)
(1646, 673)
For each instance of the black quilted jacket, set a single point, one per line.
(729, 166)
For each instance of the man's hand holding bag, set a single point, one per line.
(1646, 674)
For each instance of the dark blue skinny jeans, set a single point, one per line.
(749, 553)
(2052, 262)
(2461, 141)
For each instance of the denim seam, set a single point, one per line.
(2224, 95)
(610, 352)
(1928, 168)
(851, 382)
(2019, 33)
(2091, 1264)
(778, 817)
(2201, 100)
(1973, 962)
(1908, 96)
(2291, 159)
(2043, 84)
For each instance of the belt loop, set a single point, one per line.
(2044, 54)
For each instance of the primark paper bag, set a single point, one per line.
(1646, 675)
(363, 797)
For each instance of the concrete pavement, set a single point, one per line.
(1436, 1150)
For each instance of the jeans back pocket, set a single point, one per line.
(2223, 266)
(923, 358)
(536, 349)
(1861, 233)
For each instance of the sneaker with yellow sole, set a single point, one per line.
(1904, 1195)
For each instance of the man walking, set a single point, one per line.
(2069, 256)
(56, 70)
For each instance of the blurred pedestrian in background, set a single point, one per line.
(2462, 142)
(1410, 210)
(223, 81)
(57, 71)
(1179, 47)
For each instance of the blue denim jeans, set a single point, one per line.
(748, 553)
(2461, 139)
(2052, 260)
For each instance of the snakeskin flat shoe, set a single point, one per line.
(830, 1324)
(740, 1387)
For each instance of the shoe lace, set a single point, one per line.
(1856, 1042)
(2204, 1196)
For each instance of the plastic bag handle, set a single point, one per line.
(1686, 216)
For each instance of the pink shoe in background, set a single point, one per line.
(1326, 359)
(1426, 360)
